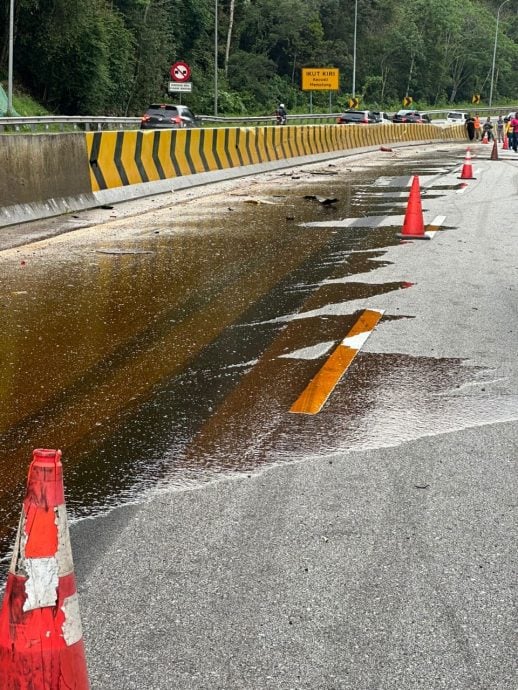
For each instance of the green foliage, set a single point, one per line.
(254, 74)
(113, 56)
(23, 103)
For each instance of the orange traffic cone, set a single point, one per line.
(413, 225)
(467, 169)
(494, 152)
(41, 640)
(485, 139)
(505, 146)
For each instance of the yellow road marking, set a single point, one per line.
(313, 397)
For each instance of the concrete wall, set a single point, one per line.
(50, 174)
(42, 175)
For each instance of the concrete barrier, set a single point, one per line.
(43, 175)
(51, 174)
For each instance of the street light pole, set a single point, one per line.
(354, 45)
(494, 53)
(216, 58)
(10, 65)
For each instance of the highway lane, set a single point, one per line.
(377, 551)
(130, 328)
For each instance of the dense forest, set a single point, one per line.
(113, 56)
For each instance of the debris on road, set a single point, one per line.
(325, 201)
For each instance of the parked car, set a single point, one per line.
(382, 118)
(167, 116)
(356, 117)
(457, 117)
(411, 116)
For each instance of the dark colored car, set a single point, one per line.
(166, 116)
(357, 117)
(411, 116)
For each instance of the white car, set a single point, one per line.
(382, 118)
(457, 117)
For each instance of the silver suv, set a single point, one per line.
(357, 117)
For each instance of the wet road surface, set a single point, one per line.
(175, 353)
(378, 550)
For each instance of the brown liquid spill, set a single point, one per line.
(151, 366)
(384, 399)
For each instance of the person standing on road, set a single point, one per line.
(500, 129)
(508, 132)
(488, 129)
(514, 128)
(470, 127)
(477, 127)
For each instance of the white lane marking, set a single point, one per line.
(312, 352)
(366, 222)
(335, 309)
(250, 363)
(436, 223)
(383, 194)
(355, 342)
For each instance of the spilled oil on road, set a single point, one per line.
(163, 355)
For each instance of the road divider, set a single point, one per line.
(314, 396)
(124, 158)
(51, 174)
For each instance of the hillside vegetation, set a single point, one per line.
(113, 56)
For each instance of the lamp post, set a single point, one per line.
(10, 65)
(494, 53)
(354, 45)
(216, 58)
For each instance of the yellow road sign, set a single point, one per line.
(353, 102)
(475, 98)
(407, 100)
(320, 79)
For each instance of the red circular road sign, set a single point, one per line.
(180, 71)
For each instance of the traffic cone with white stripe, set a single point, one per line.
(41, 640)
(413, 225)
(467, 168)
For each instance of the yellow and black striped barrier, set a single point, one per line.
(50, 174)
(118, 159)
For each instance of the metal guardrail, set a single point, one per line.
(106, 122)
(65, 122)
(99, 123)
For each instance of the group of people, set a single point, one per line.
(505, 127)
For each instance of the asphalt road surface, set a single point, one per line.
(383, 558)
